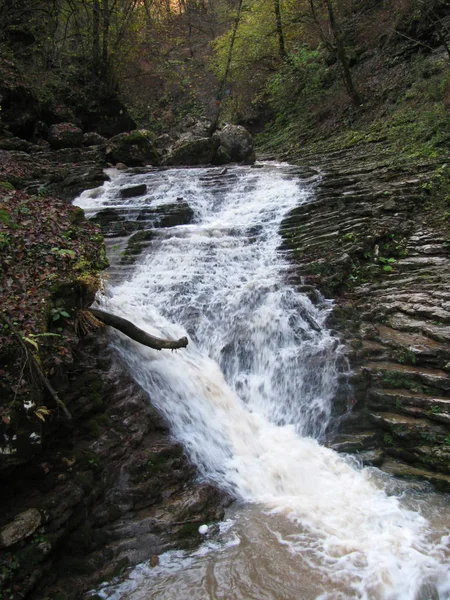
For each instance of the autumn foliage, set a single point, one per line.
(49, 262)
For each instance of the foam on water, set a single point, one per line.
(251, 395)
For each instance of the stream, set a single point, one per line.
(250, 399)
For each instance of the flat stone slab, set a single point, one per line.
(133, 191)
(23, 525)
(400, 469)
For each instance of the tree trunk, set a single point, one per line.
(106, 23)
(136, 334)
(281, 44)
(342, 56)
(215, 122)
(96, 35)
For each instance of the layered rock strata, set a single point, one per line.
(376, 238)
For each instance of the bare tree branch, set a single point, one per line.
(136, 334)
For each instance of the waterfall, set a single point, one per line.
(251, 396)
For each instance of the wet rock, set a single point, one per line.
(133, 191)
(163, 143)
(400, 469)
(65, 135)
(236, 145)
(367, 240)
(134, 149)
(198, 151)
(14, 143)
(117, 223)
(353, 443)
(171, 215)
(104, 497)
(23, 525)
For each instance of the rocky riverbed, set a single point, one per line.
(113, 489)
(110, 487)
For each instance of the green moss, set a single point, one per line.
(399, 380)
(387, 439)
(91, 428)
(86, 460)
(405, 356)
(5, 185)
(188, 530)
(139, 134)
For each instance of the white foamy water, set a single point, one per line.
(250, 399)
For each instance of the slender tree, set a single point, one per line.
(96, 36)
(279, 25)
(335, 43)
(224, 79)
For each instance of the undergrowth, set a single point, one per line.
(50, 262)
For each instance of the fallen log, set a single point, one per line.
(136, 334)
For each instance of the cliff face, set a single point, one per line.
(375, 237)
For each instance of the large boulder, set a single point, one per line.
(93, 139)
(164, 143)
(194, 151)
(65, 135)
(236, 145)
(191, 126)
(135, 149)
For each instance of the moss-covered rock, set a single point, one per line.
(236, 145)
(65, 135)
(135, 149)
(197, 151)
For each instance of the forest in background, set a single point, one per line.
(305, 77)
(299, 69)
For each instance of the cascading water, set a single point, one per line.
(250, 397)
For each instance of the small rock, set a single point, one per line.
(154, 561)
(133, 191)
(24, 524)
(121, 166)
(390, 205)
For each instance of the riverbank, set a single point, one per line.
(103, 485)
(376, 239)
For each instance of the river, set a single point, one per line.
(251, 398)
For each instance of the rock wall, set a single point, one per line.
(376, 238)
(108, 490)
